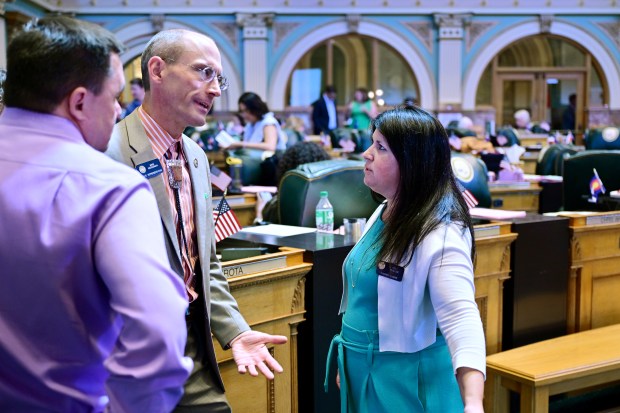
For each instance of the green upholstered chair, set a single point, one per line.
(603, 138)
(578, 173)
(299, 191)
(552, 160)
(472, 174)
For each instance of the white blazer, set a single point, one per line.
(437, 289)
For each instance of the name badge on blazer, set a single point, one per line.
(391, 271)
(150, 168)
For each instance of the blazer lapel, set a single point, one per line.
(201, 191)
(139, 142)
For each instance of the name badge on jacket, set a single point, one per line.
(391, 271)
(150, 168)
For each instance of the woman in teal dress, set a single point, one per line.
(411, 338)
(362, 110)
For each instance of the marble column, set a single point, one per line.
(451, 36)
(255, 36)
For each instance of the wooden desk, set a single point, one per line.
(530, 160)
(491, 269)
(218, 159)
(594, 280)
(518, 197)
(555, 366)
(324, 291)
(243, 205)
(533, 139)
(271, 302)
(323, 294)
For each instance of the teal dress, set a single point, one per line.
(372, 381)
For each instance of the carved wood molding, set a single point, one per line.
(271, 389)
(576, 248)
(505, 263)
(298, 295)
(483, 309)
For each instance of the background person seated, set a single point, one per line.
(295, 130)
(262, 130)
(464, 139)
(523, 121)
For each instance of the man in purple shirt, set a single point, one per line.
(91, 315)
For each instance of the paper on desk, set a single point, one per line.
(615, 194)
(569, 213)
(224, 139)
(278, 230)
(487, 213)
(542, 178)
(254, 189)
(514, 153)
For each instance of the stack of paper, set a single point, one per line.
(491, 214)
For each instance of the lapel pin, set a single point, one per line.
(195, 163)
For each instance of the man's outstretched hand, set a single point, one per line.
(250, 352)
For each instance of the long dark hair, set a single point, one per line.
(254, 104)
(427, 194)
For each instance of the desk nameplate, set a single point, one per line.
(492, 229)
(594, 218)
(287, 257)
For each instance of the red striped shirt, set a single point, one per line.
(161, 142)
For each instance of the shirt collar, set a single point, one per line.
(160, 139)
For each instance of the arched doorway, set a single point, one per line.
(352, 61)
(541, 74)
(284, 67)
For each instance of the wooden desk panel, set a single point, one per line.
(533, 139)
(594, 281)
(519, 197)
(530, 160)
(491, 269)
(271, 302)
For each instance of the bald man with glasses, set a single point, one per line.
(182, 75)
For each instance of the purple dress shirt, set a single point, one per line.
(91, 316)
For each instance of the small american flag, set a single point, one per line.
(219, 178)
(226, 222)
(470, 199)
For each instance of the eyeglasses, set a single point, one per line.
(207, 74)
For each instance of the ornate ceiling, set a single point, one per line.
(328, 6)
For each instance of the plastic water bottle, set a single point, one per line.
(324, 214)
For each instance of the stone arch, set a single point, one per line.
(284, 67)
(607, 62)
(136, 35)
